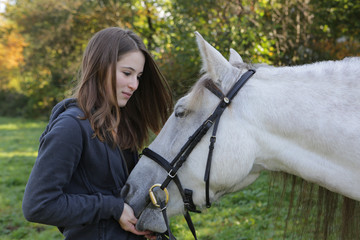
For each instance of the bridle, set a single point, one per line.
(173, 167)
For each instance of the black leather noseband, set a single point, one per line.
(173, 167)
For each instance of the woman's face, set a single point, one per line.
(128, 72)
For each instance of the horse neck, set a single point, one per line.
(306, 123)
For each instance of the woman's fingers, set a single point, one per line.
(128, 220)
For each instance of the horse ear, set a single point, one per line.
(235, 58)
(213, 62)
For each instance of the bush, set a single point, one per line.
(12, 104)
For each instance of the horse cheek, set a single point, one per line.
(135, 191)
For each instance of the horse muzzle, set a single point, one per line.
(151, 219)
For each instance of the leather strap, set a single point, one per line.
(231, 94)
(208, 164)
(187, 148)
(163, 209)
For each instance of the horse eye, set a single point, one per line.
(180, 111)
(180, 114)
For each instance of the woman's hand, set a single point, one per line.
(128, 220)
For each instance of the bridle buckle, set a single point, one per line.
(184, 153)
(171, 174)
(153, 196)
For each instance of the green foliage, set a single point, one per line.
(253, 213)
(11, 103)
(244, 215)
(279, 32)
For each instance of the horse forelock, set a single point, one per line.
(196, 92)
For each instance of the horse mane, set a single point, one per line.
(318, 212)
(313, 212)
(198, 88)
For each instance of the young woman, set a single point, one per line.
(90, 144)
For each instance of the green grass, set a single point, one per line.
(18, 151)
(243, 215)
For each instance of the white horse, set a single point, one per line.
(302, 120)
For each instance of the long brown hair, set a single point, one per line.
(147, 109)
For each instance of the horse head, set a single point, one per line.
(233, 155)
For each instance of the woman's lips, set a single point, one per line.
(127, 95)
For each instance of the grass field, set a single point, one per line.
(243, 215)
(19, 142)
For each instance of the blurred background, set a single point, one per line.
(42, 41)
(41, 46)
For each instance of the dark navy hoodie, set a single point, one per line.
(76, 180)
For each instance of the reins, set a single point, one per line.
(173, 167)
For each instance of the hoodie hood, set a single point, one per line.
(57, 110)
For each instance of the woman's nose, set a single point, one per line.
(133, 84)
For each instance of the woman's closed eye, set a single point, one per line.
(129, 74)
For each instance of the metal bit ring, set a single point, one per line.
(153, 197)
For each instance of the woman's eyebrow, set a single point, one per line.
(131, 69)
(128, 68)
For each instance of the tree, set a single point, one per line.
(57, 32)
(278, 32)
(11, 55)
(338, 29)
